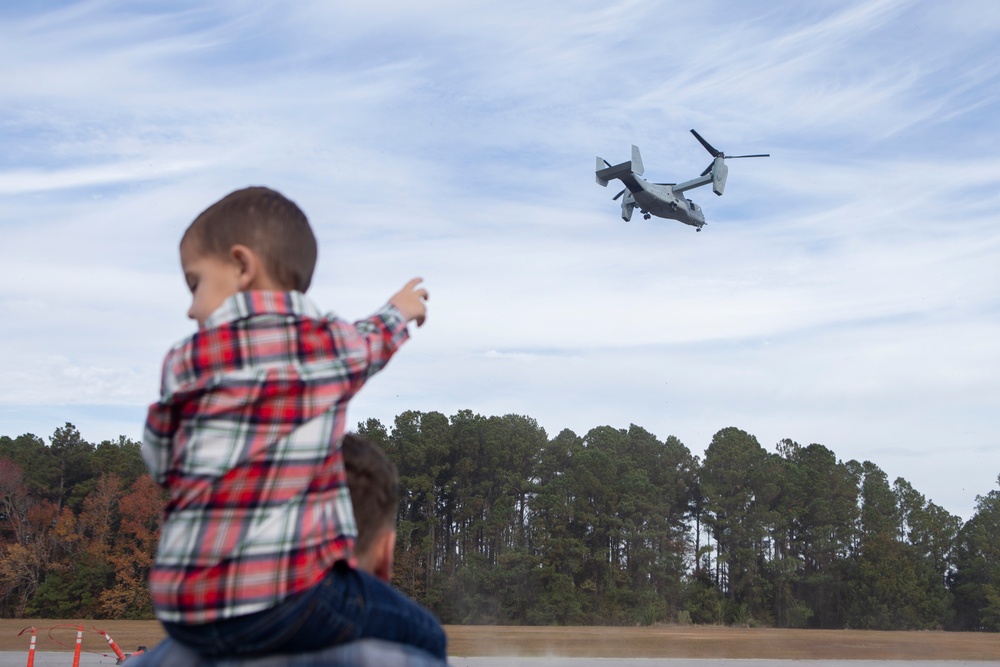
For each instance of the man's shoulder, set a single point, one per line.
(361, 653)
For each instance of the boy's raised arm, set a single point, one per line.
(383, 333)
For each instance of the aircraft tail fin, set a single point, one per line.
(605, 171)
(611, 172)
(601, 165)
(637, 167)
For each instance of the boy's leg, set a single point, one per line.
(346, 605)
(268, 632)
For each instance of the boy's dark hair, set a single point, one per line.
(266, 222)
(374, 485)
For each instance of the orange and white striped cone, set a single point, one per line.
(139, 651)
(31, 648)
(79, 642)
(114, 647)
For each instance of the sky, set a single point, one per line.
(844, 291)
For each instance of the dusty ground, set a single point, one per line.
(596, 642)
(718, 642)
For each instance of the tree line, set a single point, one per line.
(501, 524)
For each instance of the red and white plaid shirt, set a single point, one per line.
(246, 439)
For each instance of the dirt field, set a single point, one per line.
(595, 642)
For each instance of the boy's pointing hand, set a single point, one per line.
(410, 301)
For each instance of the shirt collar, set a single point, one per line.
(247, 304)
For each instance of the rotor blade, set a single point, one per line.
(605, 162)
(708, 146)
(708, 168)
(615, 198)
(732, 157)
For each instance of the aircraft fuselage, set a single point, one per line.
(661, 201)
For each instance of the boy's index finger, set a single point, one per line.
(420, 292)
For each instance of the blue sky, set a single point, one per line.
(844, 291)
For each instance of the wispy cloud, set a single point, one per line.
(843, 291)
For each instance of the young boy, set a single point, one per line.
(255, 554)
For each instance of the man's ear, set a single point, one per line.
(248, 264)
(383, 551)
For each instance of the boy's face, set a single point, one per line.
(211, 280)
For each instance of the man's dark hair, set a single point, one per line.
(266, 222)
(374, 485)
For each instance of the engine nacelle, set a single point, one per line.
(719, 173)
(628, 205)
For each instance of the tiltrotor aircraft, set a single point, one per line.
(666, 200)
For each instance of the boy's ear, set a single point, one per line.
(248, 264)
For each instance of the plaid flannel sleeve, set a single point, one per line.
(383, 333)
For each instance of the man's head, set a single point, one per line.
(374, 487)
(254, 238)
